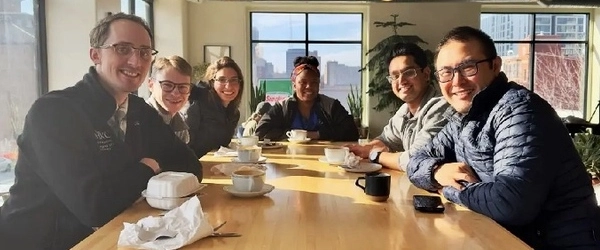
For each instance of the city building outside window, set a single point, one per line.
(335, 39)
(22, 67)
(546, 53)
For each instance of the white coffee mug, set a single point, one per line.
(247, 141)
(250, 180)
(336, 155)
(249, 154)
(296, 134)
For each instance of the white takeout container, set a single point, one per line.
(165, 203)
(172, 185)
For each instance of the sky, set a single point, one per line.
(27, 6)
(328, 27)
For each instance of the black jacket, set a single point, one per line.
(72, 174)
(336, 124)
(211, 124)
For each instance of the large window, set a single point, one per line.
(334, 38)
(546, 53)
(23, 74)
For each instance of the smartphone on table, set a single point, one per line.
(428, 203)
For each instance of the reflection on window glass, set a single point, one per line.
(515, 62)
(336, 44)
(19, 72)
(557, 62)
(559, 75)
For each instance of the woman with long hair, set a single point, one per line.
(213, 114)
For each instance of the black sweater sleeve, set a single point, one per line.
(60, 138)
(272, 125)
(341, 126)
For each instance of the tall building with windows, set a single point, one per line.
(291, 54)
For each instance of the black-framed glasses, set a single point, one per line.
(168, 86)
(465, 69)
(407, 74)
(124, 49)
(223, 80)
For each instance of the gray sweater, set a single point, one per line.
(406, 133)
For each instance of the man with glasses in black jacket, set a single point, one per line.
(88, 151)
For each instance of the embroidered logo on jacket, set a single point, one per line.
(104, 140)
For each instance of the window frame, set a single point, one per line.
(533, 41)
(307, 41)
(39, 11)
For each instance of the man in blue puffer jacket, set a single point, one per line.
(505, 152)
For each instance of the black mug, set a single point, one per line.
(377, 185)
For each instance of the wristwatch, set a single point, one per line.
(374, 156)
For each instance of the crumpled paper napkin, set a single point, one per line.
(351, 160)
(224, 151)
(186, 223)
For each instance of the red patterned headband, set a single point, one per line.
(298, 69)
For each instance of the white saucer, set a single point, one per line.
(266, 189)
(324, 160)
(271, 146)
(363, 167)
(299, 141)
(262, 159)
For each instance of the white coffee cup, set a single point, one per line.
(247, 141)
(296, 134)
(249, 180)
(336, 155)
(249, 154)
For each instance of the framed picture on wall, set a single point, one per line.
(214, 52)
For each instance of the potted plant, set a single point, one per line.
(257, 95)
(378, 85)
(355, 105)
(588, 147)
(198, 71)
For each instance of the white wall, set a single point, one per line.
(68, 23)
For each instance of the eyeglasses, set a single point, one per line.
(465, 69)
(168, 86)
(223, 80)
(407, 74)
(126, 50)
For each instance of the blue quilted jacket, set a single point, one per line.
(532, 181)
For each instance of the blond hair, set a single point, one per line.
(176, 62)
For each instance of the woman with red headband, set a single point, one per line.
(323, 117)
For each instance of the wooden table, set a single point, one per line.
(317, 206)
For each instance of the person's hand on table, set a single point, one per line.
(151, 163)
(450, 174)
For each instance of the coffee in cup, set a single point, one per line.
(336, 155)
(296, 134)
(377, 185)
(248, 180)
(249, 154)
